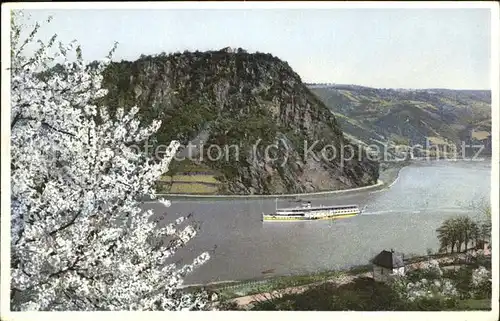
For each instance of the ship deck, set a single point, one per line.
(318, 208)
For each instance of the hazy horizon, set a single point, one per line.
(395, 88)
(378, 48)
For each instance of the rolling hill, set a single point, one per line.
(427, 117)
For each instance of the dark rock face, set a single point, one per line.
(242, 103)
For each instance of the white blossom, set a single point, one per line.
(433, 267)
(426, 288)
(79, 239)
(480, 276)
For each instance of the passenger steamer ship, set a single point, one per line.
(308, 213)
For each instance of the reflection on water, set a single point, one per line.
(403, 217)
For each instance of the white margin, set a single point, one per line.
(376, 315)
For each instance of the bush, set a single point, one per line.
(228, 306)
(430, 271)
(432, 304)
(481, 283)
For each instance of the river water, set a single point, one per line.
(403, 217)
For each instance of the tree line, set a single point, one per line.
(462, 233)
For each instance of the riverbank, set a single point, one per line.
(388, 175)
(379, 184)
(245, 294)
(229, 290)
(389, 171)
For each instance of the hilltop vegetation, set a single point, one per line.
(410, 117)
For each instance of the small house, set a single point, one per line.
(387, 264)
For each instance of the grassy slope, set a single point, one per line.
(385, 115)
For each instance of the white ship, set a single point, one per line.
(306, 212)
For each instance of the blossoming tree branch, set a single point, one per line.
(79, 240)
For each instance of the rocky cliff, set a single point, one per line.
(243, 103)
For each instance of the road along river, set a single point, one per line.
(403, 216)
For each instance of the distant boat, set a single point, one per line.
(306, 212)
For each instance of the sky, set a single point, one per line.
(382, 48)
